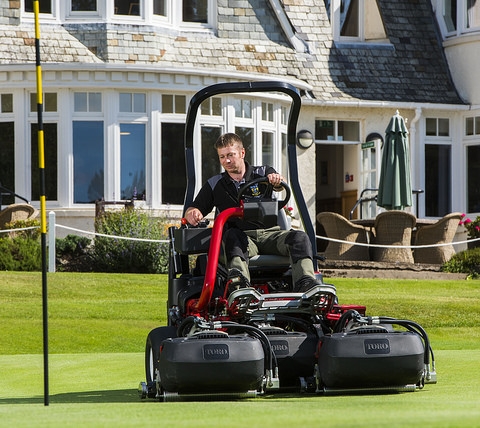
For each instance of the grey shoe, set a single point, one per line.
(305, 283)
(236, 280)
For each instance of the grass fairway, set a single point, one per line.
(98, 324)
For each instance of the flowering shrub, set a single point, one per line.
(472, 226)
(289, 211)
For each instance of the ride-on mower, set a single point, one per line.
(224, 341)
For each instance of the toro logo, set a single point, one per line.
(377, 346)
(280, 347)
(216, 352)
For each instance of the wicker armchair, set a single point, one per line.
(393, 228)
(16, 212)
(338, 227)
(443, 231)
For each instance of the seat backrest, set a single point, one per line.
(394, 227)
(337, 226)
(442, 231)
(15, 212)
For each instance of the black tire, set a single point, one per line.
(152, 353)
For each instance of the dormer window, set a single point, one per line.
(356, 21)
(457, 17)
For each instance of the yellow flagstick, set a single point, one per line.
(43, 208)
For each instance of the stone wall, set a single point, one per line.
(9, 12)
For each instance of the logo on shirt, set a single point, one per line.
(255, 190)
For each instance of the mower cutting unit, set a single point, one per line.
(224, 341)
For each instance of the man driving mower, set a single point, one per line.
(246, 238)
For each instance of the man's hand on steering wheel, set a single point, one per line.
(275, 180)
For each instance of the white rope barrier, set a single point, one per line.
(19, 230)
(53, 226)
(361, 244)
(166, 241)
(85, 232)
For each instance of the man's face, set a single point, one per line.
(232, 159)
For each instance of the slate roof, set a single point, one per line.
(249, 39)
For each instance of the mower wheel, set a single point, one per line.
(152, 354)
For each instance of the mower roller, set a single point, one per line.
(225, 342)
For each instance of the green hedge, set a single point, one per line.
(465, 262)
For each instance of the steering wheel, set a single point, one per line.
(267, 187)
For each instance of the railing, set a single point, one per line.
(362, 200)
(7, 192)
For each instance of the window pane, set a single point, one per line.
(216, 106)
(45, 6)
(349, 131)
(267, 112)
(324, 130)
(246, 135)
(88, 155)
(159, 7)
(127, 7)
(94, 102)
(473, 14)
(205, 107)
(80, 102)
(180, 104)
(132, 161)
(125, 103)
(167, 103)
(349, 19)
(267, 148)
(195, 11)
(443, 127)
(477, 125)
(7, 103)
(139, 103)
(50, 101)
(51, 162)
(431, 127)
(33, 101)
(473, 183)
(450, 14)
(210, 163)
(437, 180)
(174, 177)
(7, 161)
(84, 5)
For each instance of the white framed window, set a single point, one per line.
(356, 21)
(44, 6)
(438, 167)
(437, 127)
(340, 131)
(472, 126)
(211, 107)
(473, 172)
(458, 17)
(83, 6)
(6, 103)
(49, 102)
(87, 102)
(132, 102)
(173, 103)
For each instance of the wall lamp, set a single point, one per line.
(304, 139)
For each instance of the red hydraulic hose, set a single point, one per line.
(213, 254)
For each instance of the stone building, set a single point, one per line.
(118, 76)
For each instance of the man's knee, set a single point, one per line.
(299, 245)
(236, 244)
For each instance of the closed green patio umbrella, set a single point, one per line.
(395, 187)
